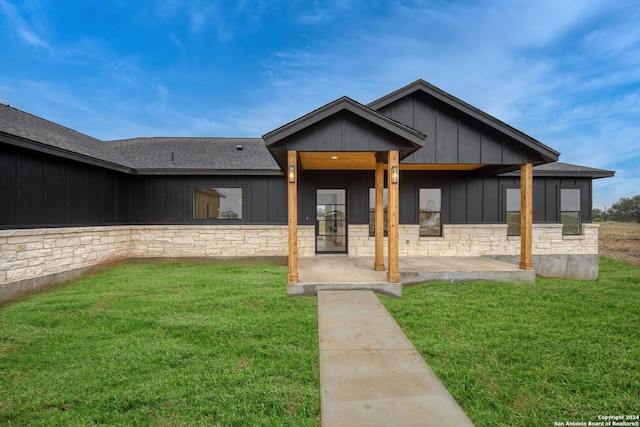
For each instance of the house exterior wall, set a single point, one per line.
(59, 216)
(45, 191)
(39, 191)
(169, 199)
(478, 240)
(466, 198)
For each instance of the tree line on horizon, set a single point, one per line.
(625, 210)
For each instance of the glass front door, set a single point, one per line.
(331, 221)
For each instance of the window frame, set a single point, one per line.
(438, 213)
(578, 213)
(219, 188)
(513, 232)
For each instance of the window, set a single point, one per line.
(570, 211)
(372, 211)
(217, 203)
(430, 212)
(513, 211)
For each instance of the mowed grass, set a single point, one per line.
(532, 354)
(162, 344)
(178, 344)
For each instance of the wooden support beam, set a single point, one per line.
(379, 213)
(393, 274)
(526, 216)
(292, 204)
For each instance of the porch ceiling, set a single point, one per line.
(366, 160)
(338, 160)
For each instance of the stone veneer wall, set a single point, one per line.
(306, 240)
(34, 256)
(477, 240)
(25, 254)
(209, 241)
(554, 255)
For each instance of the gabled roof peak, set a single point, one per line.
(468, 109)
(344, 103)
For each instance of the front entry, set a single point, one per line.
(331, 221)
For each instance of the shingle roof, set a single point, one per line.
(142, 155)
(48, 134)
(200, 154)
(561, 169)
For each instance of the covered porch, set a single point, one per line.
(355, 273)
(345, 150)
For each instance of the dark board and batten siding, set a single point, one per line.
(43, 191)
(357, 184)
(343, 132)
(169, 199)
(466, 198)
(453, 138)
(546, 198)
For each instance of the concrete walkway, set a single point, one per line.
(370, 373)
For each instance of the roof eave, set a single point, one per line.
(593, 174)
(39, 147)
(211, 172)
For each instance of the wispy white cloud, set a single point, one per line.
(25, 30)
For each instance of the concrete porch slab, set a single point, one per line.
(415, 270)
(340, 272)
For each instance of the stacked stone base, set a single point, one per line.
(31, 259)
(554, 255)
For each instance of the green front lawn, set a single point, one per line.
(163, 345)
(178, 344)
(532, 355)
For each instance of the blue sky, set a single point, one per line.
(566, 72)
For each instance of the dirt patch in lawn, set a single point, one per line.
(620, 241)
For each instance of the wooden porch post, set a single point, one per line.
(292, 179)
(379, 232)
(393, 274)
(526, 216)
